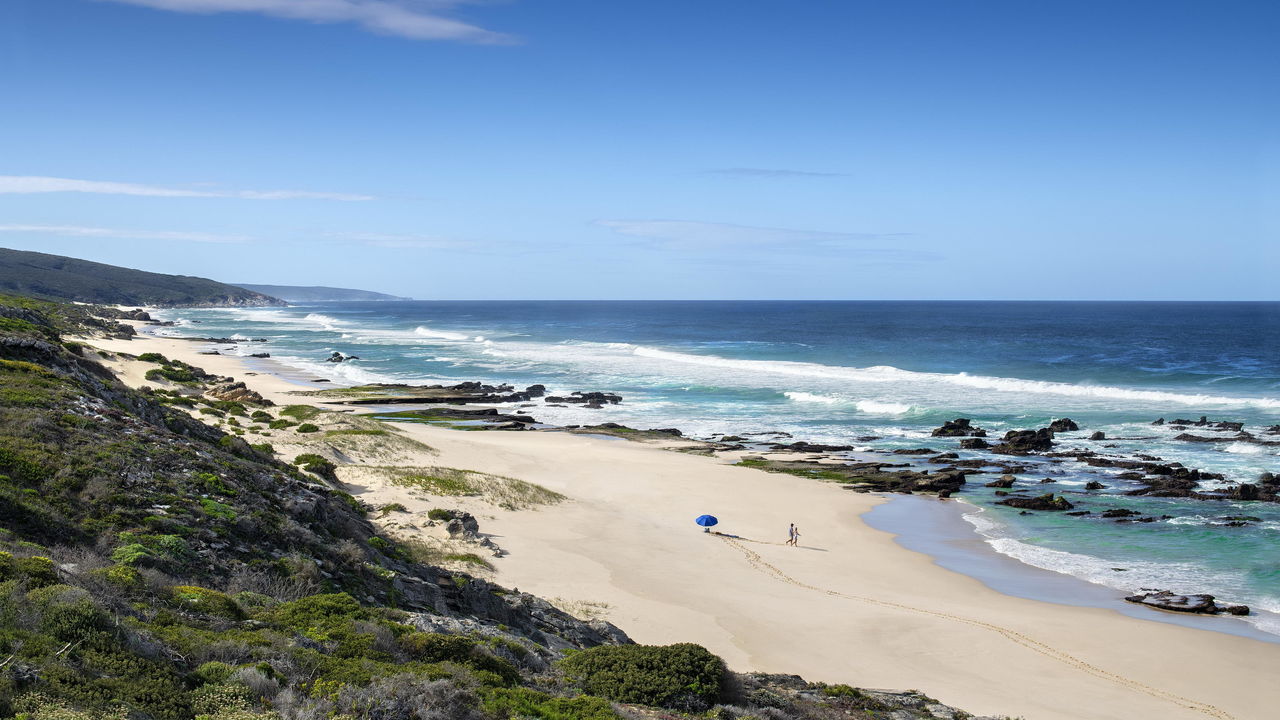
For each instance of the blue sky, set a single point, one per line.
(589, 149)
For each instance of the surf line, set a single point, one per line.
(765, 567)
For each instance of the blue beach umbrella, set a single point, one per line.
(706, 521)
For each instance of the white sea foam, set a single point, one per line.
(881, 408)
(426, 332)
(324, 321)
(813, 398)
(885, 374)
(1241, 448)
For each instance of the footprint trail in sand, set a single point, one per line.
(765, 567)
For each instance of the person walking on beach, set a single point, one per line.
(793, 535)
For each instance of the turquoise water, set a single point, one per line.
(835, 372)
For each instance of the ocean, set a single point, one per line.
(835, 372)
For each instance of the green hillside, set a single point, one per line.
(298, 293)
(55, 277)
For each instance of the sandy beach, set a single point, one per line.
(848, 605)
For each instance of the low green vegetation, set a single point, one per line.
(681, 677)
(507, 493)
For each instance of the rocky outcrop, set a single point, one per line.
(1200, 604)
(1094, 485)
(1025, 442)
(1005, 481)
(1063, 425)
(1048, 501)
(960, 427)
(594, 400)
(1099, 435)
(237, 392)
(338, 357)
(974, 444)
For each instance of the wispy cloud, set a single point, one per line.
(99, 232)
(29, 184)
(772, 173)
(414, 19)
(682, 235)
(400, 241)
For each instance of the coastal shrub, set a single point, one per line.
(317, 464)
(206, 602)
(265, 448)
(281, 424)
(260, 416)
(439, 514)
(213, 673)
(469, 559)
(153, 357)
(130, 554)
(526, 703)
(300, 412)
(684, 676)
(435, 647)
(217, 510)
(307, 428)
(389, 508)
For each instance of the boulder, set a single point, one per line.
(974, 444)
(1099, 435)
(960, 427)
(1120, 513)
(1025, 442)
(1048, 501)
(1005, 481)
(1200, 603)
(1063, 425)
(1094, 485)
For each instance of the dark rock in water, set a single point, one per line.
(974, 444)
(959, 427)
(534, 391)
(593, 400)
(1267, 478)
(1240, 518)
(1048, 501)
(1094, 485)
(914, 451)
(865, 438)
(1120, 512)
(1099, 435)
(321, 380)
(805, 447)
(208, 352)
(731, 438)
(1078, 513)
(1005, 481)
(667, 431)
(1063, 425)
(944, 457)
(1158, 421)
(338, 357)
(1245, 491)
(1188, 437)
(1025, 442)
(1273, 430)
(1047, 480)
(260, 355)
(1001, 493)
(1200, 604)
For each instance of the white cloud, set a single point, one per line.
(97, 232)
(29, 184)
(687, 235)
(415, 19)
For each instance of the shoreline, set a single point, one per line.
(569, 550)
(953, 543)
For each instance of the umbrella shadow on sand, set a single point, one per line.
(706, 522)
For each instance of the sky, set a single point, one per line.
(665, 149)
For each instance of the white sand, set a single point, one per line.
(848, 606)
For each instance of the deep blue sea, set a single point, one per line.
(836, 371)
